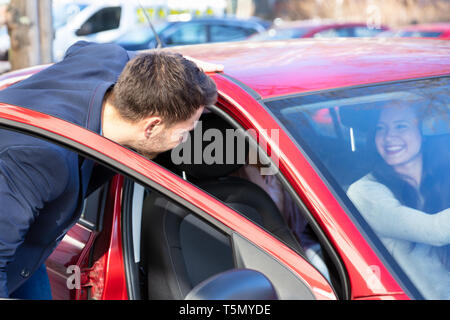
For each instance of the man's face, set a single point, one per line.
(165, 137)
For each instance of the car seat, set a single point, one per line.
(181, 250)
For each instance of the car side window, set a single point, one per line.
(348, 32)
(221, 33)
(169, 246)
(91, 216)
(328, 33)
(358, 165)
(365, 31)
(191, 33)
(175, 240)
(231, 181)
(420, 34)
(103, 20)
(293, 228)
(335, 32)
(178, 249)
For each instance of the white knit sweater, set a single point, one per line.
(419, 242)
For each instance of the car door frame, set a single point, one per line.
(143, 171)
(352, 254)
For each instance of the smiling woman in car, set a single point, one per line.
(401, 201)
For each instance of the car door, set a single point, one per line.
(180, 248)
(251, 242)
(222, 32)
(185, 33)
(72, 267)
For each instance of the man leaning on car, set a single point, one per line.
(147, 103)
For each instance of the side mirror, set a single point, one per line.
(236, 284)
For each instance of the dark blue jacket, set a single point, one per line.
(42, 185)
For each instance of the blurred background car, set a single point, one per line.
(317, 29)
(429, 30)
(4, 43)
(65, 10)
(104, 20)
(196, 31)
(108, 20)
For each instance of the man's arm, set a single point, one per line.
(77, 45)
(29, 177)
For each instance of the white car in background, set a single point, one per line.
(4, 43)
(105, 21)
(63, 12)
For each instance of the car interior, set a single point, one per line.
(169, 249)
(344, 154)
(179, 250)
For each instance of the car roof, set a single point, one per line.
(276, 68)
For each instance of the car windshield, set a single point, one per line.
(384, 150)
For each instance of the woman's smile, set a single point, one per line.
(393, 149)
(398, 139)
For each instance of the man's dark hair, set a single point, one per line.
(164, 84)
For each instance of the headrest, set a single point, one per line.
(435, 118)
(363, 117)
(214, 149)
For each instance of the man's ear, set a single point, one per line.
(151, 125)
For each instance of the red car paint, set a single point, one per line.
(261, 71)
(114, 266)
(287, 67)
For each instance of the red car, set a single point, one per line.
(164, 230)
(317, 29)
(438, 31)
